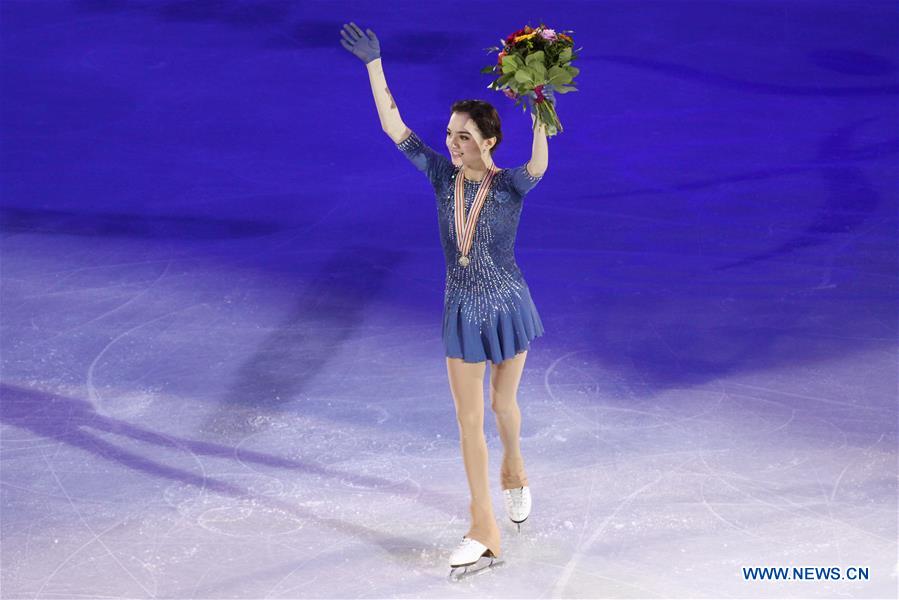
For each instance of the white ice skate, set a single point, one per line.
(518, 504)
(471, 556)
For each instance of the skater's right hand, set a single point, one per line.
(366, 47)
(548, 94)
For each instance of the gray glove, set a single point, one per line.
(547, 90)
(366, 47)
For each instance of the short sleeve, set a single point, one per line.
(430, 162)
(522, 181)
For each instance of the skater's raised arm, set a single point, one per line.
(391, 122)
(539, 149)
(367, 48)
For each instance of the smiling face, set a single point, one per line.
(462, 137)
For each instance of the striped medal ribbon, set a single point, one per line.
(465, 227)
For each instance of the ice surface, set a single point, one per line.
(222, 373)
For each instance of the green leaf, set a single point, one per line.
(509, 66)
(565, 55)
(523, 76)
(535, 58)
(558, 76)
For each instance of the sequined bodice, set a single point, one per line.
(492, 253)
(492, 277)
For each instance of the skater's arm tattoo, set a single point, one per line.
(389, 95)
(388, 113)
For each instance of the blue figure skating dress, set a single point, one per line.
(488, 313)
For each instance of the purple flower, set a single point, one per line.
(548, 34)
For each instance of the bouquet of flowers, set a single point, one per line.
(533, 61)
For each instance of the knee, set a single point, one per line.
(502, 404)
(470, 422)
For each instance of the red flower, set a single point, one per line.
(514, 35)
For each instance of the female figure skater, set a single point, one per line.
(488, 311)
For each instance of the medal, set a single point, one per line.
(465, 227)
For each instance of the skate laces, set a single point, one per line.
(516, 495)
(466, 541)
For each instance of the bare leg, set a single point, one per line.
(504, 380)
(467, 385)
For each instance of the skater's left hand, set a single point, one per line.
(548, 95)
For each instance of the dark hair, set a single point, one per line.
(484, 116)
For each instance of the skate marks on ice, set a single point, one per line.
(215, 498)
(582, 548)
(643, 420)
(760, 421)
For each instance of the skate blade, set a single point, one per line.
(520, 525)
(483, 564)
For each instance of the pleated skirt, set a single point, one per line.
(497, 336)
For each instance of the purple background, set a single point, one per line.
(222, 283)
